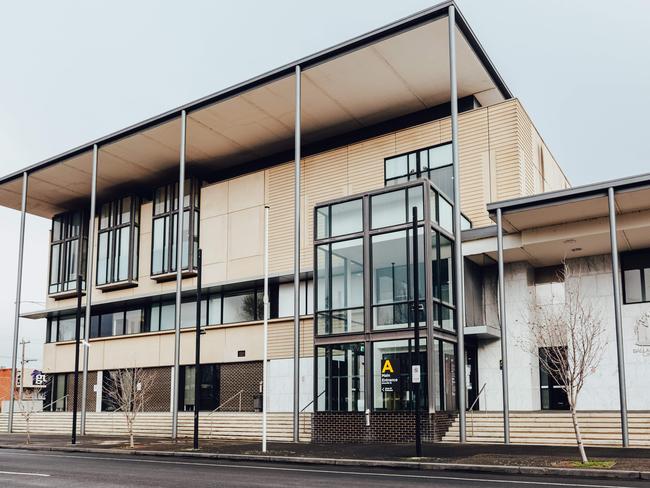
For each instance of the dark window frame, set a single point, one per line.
(169, 216)
(64, 243)
(114, 227)
(634, 261)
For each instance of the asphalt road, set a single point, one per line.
(49, 469)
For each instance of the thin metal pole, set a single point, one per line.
(179, 276)
(89, 287)
(616, 277)
(458, 253)
(75, 385)
(266, 327)
(197, 349)
(504, 332)
(296, 267)
(19, 282)
(416, 328)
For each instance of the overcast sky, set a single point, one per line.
(72, 71)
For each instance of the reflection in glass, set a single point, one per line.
(340, 377)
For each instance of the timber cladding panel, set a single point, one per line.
(281, 339)
(497, 161)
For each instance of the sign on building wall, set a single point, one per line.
(389, 375)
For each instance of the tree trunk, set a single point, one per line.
(576, 428)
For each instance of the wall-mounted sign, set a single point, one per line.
(389, 375)
(415, 373)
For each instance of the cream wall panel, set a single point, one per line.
(213, 239)
(279, 196)
(246, 191)
(245, 233)
(214, 200)
(474, 160)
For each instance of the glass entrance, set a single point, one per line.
(552, 395)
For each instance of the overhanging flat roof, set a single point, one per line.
(391, 72)
(575, 204)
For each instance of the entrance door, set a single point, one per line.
(471, 371)
(552, 395)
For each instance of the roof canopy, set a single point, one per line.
(400, 69)
(547, 228)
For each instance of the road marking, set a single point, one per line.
(330, 471)
(16, 473)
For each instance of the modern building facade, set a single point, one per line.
(341, 146)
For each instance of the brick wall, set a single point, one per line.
(239, 376)
(392, 427)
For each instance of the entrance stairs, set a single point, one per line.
(598, 428)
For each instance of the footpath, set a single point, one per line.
(611, 463)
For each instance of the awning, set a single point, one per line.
(395, 71)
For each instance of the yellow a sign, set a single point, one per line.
(387, 367)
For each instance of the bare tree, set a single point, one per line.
(127, 391)
(27, 407)
(569, 340)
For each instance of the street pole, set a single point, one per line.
(296, 262)
(77, 333)
(197, 349)
(23, 342)
(19, 281)
(415, 375)
(266, 326)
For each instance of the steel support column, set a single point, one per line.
(89, 286)
(19, 282)
(504, 332)
(296, 266)
(616, 277)
(179, 275)
(458, 254)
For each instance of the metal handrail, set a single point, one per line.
(64, 397)
(304, 425)
(471, 417)
(238, 394)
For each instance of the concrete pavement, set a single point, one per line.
(21, 468)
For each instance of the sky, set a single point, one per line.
(72, 71)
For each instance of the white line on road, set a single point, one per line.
(16, 473)
(330, 471)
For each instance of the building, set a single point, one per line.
(32, 387)
(372, 122)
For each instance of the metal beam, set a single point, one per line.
(616, 277)
(179, 275)
(504, 332)
(296, 265)
(89, 286)
(19, 282)
(458, 254)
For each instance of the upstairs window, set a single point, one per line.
(636, 276)
(118, 241)
(165, 219)
(435, 163)
(69, 240)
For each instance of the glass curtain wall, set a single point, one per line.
(68, 246)
(364, 300)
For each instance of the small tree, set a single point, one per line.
(27, 408)
(127, 391)
(569, 340)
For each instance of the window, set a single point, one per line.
(118, 240)
(341, 377)
(56, 393)
(435, 163)
(242, 307)
(62, 328)
(396, 207)
(339, 219)
(391, 375)
(209, 387)
(68, 246)
(636, 276)
(165, 218)
(339, 281)
(392, 283)
(444, 358)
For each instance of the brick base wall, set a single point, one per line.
(236, 377)
(391, 427)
